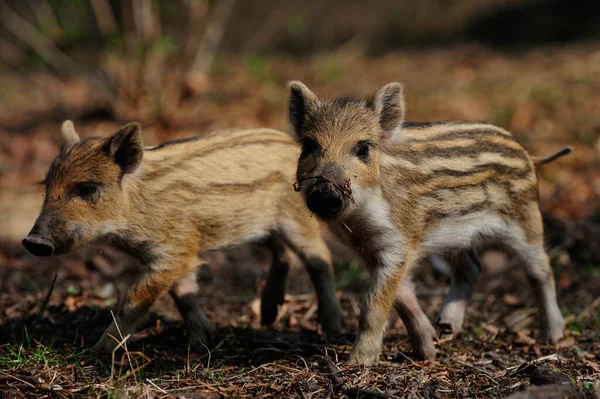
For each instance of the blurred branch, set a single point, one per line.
(145, 21)
(104, 16)
(46, 18)
(197, 17)
(48, 51)
(10, 53)
(42, 45)
(212, 37)
(274, 23)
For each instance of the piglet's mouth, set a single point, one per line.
(325, 198)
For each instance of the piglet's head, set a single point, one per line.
(341, 140)
(85, 189)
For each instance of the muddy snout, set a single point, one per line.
(38, 245)
(324, 199)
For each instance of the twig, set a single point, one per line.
(485, 373)
(133, 371)
(18, 379)
(121, 343)
(187, 364)
(345, 190)
(28, 34)
(588, 310)
(522, 366)
(49, 52)
(217, 346)
(45, 16)
(362, 392)
(156, 386)
(290, 370)
(247, 372)
(304, 361)
(353, 392)
(209, 355)
(46, 299)
(453, 382)
(335, 377)
(297, 187)
(212, 37)
(299, 390)
(144, 20)
(346, 226)
(104, 16)
(410, 360)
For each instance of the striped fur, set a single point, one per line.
(417, 189)
(165, 204)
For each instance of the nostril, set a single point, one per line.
(38, 246)
(325, 204)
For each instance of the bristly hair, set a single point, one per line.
(347, 100)
(373, 144)
(41, 182)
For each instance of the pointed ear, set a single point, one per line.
(125, 147)
(389, 106)
(69, 136)
(302, 103)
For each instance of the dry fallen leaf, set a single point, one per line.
(592, 365)
(524, 339)
(565, 281)
(511, 300)
(566, 342)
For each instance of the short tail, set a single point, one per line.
(553, 157)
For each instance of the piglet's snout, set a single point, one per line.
(37, 244)
(324, 199)
(331, 172)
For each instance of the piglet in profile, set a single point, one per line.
(164, 205)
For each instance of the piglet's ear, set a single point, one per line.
(302, 104)
(125, 147)
(389, 106)
(68, 133)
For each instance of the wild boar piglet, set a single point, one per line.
(163, 205)
(398, 191)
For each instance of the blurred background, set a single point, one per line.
(187, 67)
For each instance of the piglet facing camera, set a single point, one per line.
(399, 191)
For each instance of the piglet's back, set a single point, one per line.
(454, 169)
(240, 156)
(231, 181)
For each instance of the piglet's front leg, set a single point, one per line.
(186, 295)
(154, 283)
(375, 311)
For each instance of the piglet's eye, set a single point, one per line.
(309, 146)
(86, 190)
(361, 150)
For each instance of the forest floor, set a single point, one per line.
(548, 98)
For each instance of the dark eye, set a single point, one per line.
(86, 190)
(361, 150)
(309, 146)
